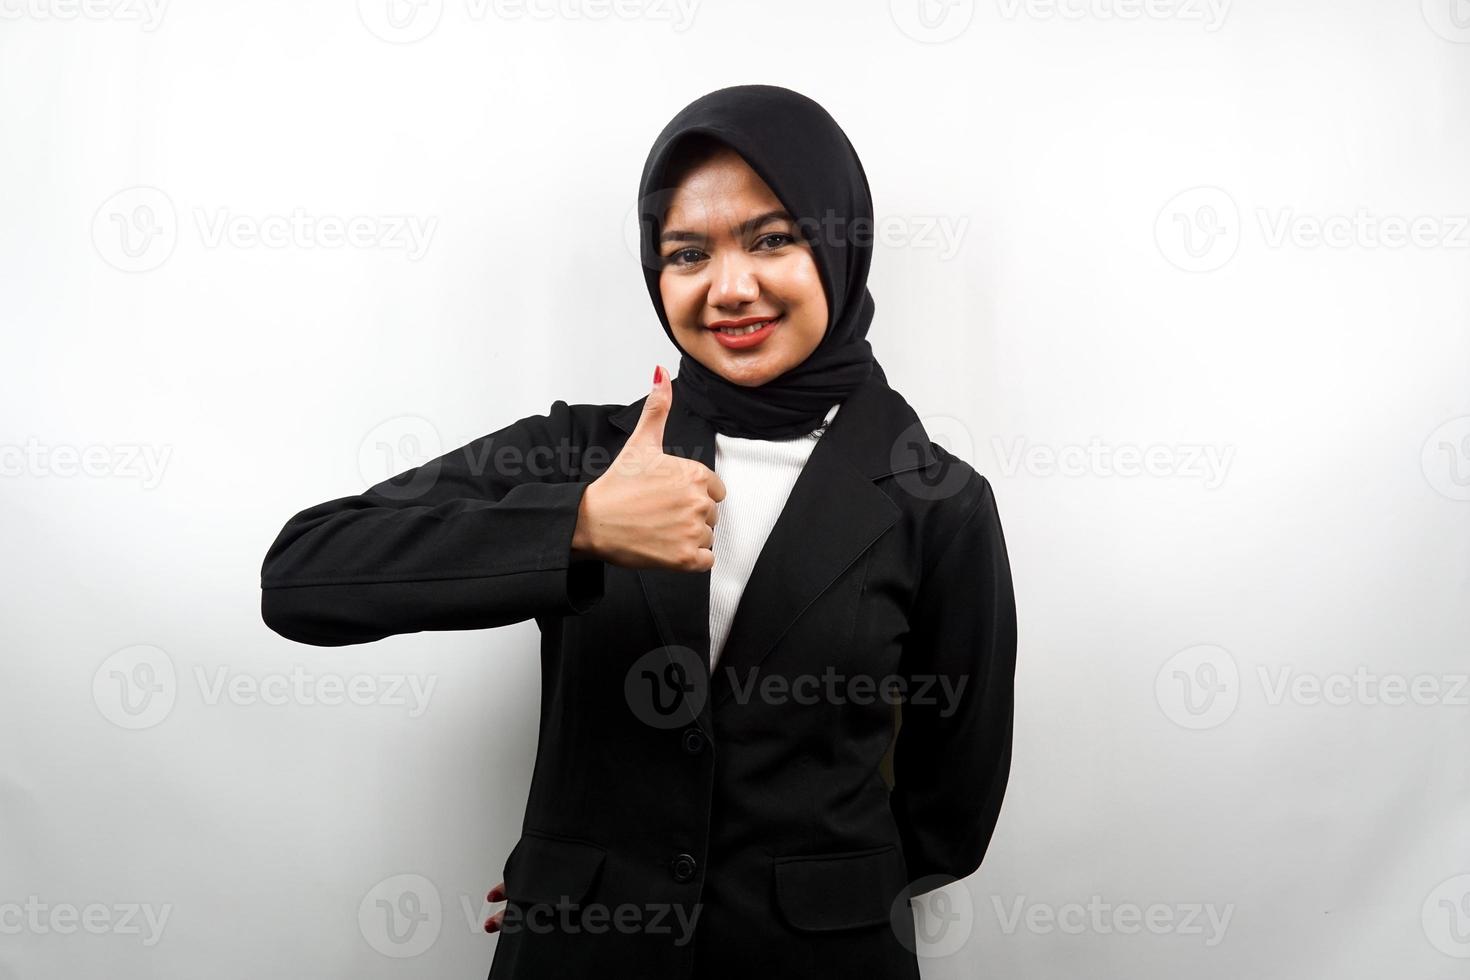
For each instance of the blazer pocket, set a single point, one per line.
(828, 892)
(550, 870)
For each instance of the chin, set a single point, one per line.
(749, 379)
(746, 373)
(747, 370)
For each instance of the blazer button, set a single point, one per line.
(693, 741)
(682, 867)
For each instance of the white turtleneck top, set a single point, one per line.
(758, 475)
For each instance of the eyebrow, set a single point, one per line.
(745, 228)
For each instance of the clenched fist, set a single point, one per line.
(651, 509)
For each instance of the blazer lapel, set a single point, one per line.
(834, 514)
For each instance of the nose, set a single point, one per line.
(733, 281)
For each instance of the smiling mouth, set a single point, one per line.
(742, 326)
(742, 331)
(745, 335)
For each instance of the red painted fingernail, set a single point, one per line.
(658, 374)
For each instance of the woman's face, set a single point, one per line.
(733, 257)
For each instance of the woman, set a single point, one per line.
(721, 647)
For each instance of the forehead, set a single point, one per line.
(722, 185)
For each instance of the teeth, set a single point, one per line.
(742, 331)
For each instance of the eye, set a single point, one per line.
(782, 239)
(678, 258)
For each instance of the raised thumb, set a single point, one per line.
(650, 428)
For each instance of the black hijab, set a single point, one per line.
(801, 153)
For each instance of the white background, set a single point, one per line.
(1111, 228)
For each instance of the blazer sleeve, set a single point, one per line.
(479, 537)
(952, 758)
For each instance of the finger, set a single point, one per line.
(649, 431)
(704, 560)
(716, 487)
(712, 513)
(495, 921)
(496, 894)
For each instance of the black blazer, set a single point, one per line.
(690, 825)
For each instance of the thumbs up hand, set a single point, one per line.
(651, 509)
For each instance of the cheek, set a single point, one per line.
(802, 281)
(801, 288)
(679, 299)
